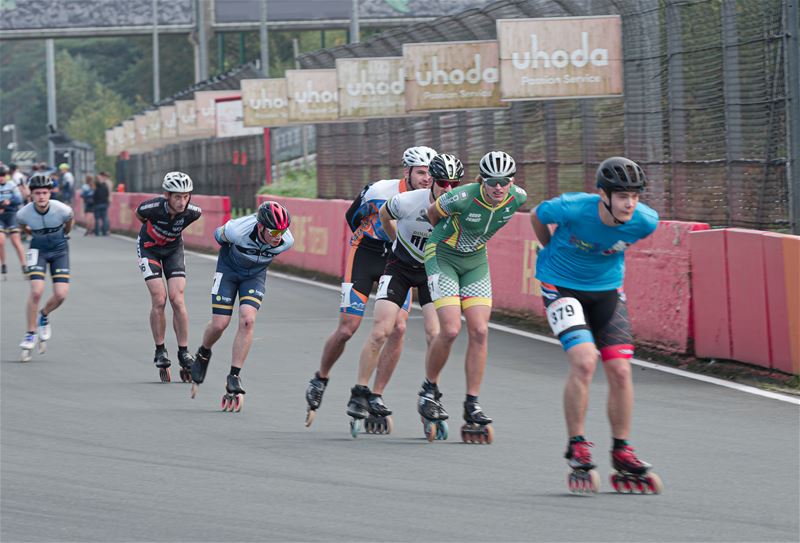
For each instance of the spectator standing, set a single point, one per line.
(87, 194)
(100, 202)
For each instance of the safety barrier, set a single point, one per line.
(746, 288)
(199, 235)
(657, 279)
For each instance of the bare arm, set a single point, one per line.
(389, 224)
(68, 226)
(434, 215)
(540, 229)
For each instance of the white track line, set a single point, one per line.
(538, 337)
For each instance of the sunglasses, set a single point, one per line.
(444, 183)
(494, 181)
(276, 233)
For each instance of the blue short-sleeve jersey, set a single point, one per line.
(584, 253)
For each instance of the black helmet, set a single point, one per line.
(618, 173)
(273, 216)
(40, 180)
(446, 167)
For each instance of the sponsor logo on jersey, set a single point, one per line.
(473, 217)
(617, 247)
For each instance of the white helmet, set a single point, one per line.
(418, 156)
(177, 182)
(497, 164)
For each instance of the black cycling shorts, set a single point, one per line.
(602, 319)
(156, 261)
(399, 278)
(365, 267)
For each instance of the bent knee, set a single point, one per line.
(618, 371)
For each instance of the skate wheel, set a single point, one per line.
(441, 430)
(195, 388)
(237, 403)
(653, 484)
(25, 356)
(389, 426)
(224, 402)
(355, 427)
(310, 414)
(488, 434)
(430, 431)
(370, 427)
(186, 376)
(42, 347)
(164, 374)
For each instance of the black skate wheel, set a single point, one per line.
(164, 374)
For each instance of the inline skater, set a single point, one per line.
(10, 200)
(369, 249)
(459, 282)
(581, 269)
(405, 220)
(248, 246)
(49, 223)
(159, 248)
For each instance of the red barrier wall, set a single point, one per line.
(746, 286)
(711, 313)
(200, 234)
(320, 231)
(657, 280)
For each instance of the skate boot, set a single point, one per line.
(44, 332)
(431, 411)
(233, 401)
(162, 363)
(27, 345)
(199, 368)
(379, 420)
(4, 272)
(583, 479)
(314, 392)
(185, 360)
(358, 408)
(478, 428)
(633, 475)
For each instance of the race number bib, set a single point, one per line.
(31, 257)
(433, 287)
(383, 287)
(345, 301)
(215, 284)
(565, 313)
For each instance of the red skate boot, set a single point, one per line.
(632, 475)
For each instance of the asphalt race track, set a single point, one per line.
(95, 448)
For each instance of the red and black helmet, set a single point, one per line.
(273, 216)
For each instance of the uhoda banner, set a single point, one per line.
(313, 96)
(140, 126)
(562, 57)
(187, 119)
(265, 102)
(153, 119)
(370, 87)
(169, 123)
(451, 75)
(205, 102)
(111, 149)
(230, 118)
(129, 128)
(120, 141)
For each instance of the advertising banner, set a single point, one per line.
(313, 96)
(120, 141)
(370, 87)
(561, 57)
(153, 119)
(111, 149)
(451, 75)
(229, 117)
(169, 123)
(187, 119)
(206, 109)
(140, 129)
(265, 102)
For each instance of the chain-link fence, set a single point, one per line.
(704, 111)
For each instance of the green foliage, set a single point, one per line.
(295, 184)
